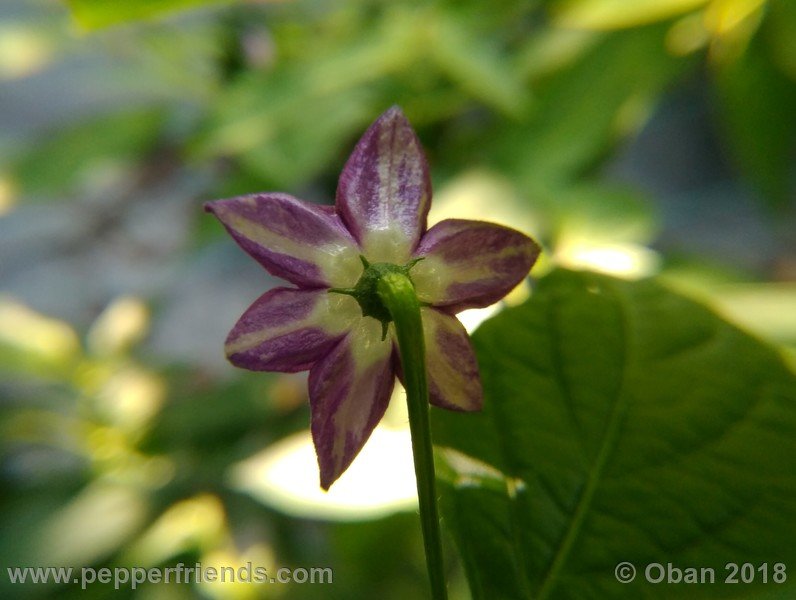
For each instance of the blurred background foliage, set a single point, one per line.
(653, 137)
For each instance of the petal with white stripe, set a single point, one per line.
(305, 243)
(453, 380)
(384, 191)
(471, 264)
(288, 330)
(349, 392)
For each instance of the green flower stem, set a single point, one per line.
(398, 295)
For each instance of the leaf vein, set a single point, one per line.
(601, 459)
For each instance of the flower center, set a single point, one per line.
(366, 293)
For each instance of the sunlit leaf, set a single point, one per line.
(71, 535)
(622, 422)
(33, 344)
(93, 14)
(615, 14)
(766, 308)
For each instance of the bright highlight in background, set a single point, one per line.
(626, 260)
(379, 482)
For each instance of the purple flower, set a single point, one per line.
(379, 218)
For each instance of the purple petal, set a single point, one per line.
(349, 392)
(453, 380)
(471, 264)
(384, 191)
(288, 330)
(305, 243)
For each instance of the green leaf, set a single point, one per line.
(476, 65)
(95, 14)
(756, 103)
(282, 126)
(578, 111)
(622, 422)
(780, 27)
(765, 308)
(614, 14)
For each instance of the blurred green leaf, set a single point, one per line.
(622, 422)
(94, 14)
(23, 513)
(211, 419)
(578, 111)
(756, 103)
(34, 346)
(615, 14)
(476, 64)
(553, 49)
(289, 123)
(781, 28)
(283, 127)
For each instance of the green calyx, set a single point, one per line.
(366, 289)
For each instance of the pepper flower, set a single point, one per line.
(332, 322)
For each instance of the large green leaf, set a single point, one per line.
(622, 422)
